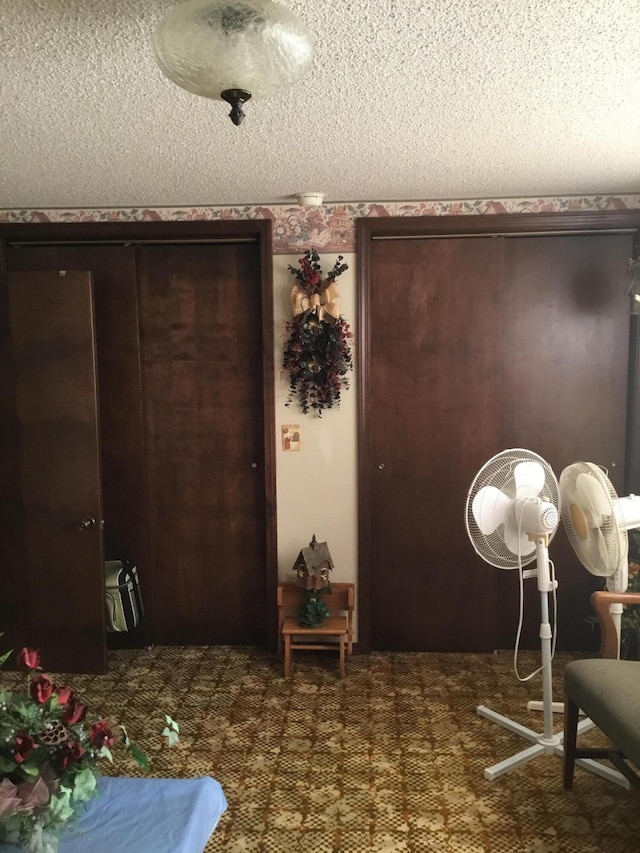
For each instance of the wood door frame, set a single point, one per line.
(534, 224)
(254, 230)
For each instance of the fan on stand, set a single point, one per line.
(597, 521)
(512, 512)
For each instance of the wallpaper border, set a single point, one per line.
(330, 228)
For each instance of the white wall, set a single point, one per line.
(316, 486)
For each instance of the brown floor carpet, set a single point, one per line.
(390, 760)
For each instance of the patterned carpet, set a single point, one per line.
(390, 760)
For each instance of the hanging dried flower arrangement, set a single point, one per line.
(317, 353)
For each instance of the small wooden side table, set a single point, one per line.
(339, 625)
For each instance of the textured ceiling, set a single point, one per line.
(406, 99)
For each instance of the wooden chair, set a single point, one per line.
(338, 626)
(608, 692)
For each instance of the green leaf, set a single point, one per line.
(84, 785)
(172, 723)
(60, 809)
(5, 657)
(171, 736)
(52, 705)
(6, 765)
(105, 752)
(140, 758)
(9, 825)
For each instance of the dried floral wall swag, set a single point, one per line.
(317, 353)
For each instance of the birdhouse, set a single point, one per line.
(312, 565)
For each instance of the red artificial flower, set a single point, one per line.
(100, 734)
(75, 712)
(70, 753)
(29, 658)
(23, 746)
(64, 694)
(41, 689)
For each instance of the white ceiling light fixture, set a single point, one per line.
(232, 50)
(310, 199)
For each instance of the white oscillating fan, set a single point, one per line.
(512, 512)
(597, 521)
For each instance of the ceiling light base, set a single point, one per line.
(236, 97)
(310, 199)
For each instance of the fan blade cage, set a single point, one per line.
(507, 474)
(590, 518)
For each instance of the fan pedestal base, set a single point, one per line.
(542, 746)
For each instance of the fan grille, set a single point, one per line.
(500, 472)
(590, 521)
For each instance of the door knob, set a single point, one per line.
(86, 522)
(254, 464)
(381, 466)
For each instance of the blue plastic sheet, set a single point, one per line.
(146, 816)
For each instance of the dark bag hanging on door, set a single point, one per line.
(124, 602)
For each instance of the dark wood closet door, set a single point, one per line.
(118, 359)
(52, 574)
(476, 345)
(564, 388)
(201, 322)
(435, 409)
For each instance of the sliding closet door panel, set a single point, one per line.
(434, 398)
(118, 359)
(473, 346)
(50, 442)
(201, 323)
(566, 344)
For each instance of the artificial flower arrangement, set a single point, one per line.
(317, 353)
(49, 757)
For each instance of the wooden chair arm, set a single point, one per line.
(601, 601)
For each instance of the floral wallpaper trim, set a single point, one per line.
(330, 228)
